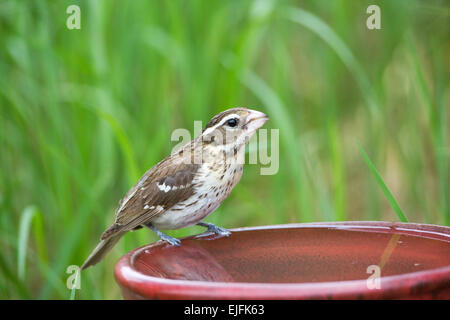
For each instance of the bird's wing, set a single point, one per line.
(160, 188)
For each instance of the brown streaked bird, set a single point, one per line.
(188, 185)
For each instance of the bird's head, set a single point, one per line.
(233, 127)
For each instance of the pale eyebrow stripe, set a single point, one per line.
(228, 117)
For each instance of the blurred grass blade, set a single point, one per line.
(383, 186)
(24, 231)
(74, 288)
(72, 293)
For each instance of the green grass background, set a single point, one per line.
(84, 113)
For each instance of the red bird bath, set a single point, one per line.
(339, 260)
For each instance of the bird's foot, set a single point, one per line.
(164, 237)
(171, 240)
(213, 228)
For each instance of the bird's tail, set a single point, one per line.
(101, 250)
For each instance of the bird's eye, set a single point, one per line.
(232, 122)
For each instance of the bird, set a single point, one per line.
(188, 185)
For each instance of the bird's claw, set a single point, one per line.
(218, 230)
(213, 228)
(171, 240)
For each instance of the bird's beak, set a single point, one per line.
(255, 120)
